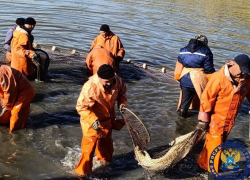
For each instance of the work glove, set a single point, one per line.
(3, 111)
(96, 125)
(34, 58)
(121, 108)
(203, 125)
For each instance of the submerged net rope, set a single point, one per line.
(164, 159)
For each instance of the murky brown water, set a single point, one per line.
(151, 31)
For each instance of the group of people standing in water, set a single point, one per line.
(96, 103)
(217, 95)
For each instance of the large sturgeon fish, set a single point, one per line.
(165, 159)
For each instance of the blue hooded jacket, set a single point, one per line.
(195, 55)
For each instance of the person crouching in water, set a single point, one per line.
(96, 106)
(98, 56)
(16, 93)
(194, 62)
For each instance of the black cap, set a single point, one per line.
(30, 21)
(244, 62)
(104, 28)
(105, 71)
(20, 21)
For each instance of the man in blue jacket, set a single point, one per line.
(9, 36)
(195, 61)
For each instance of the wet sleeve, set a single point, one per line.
(85, 105)
(122, 97)
(120, 48)
(209, 63)
(7, 41)
(21, 50)
(210, 93)
(94, 43)
(9, 90)
(89, 61)
(208, 97)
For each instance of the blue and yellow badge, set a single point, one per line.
(233, 166)
(230, 159)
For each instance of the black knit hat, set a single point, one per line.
(30, 21)
(105, 71)
(20, 21)
(104, 28)
(244, 62)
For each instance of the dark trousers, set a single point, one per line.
(187, 97)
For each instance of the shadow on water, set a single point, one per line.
(130, 73)
(67, 74)
(54, 118)
(40, 96)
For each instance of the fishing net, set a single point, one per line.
(160, 74)
(73, 59)
(41, 64)
(164, 159)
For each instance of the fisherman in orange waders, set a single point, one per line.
(16, 93)
(110, 42)
(9, 36)
(99, 56)
(220, 102)
(21, 47)
(96, 106)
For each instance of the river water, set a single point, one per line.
(151, 31)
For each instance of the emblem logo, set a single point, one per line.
(230, 159)
(233, 167)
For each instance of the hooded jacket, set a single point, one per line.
(195, 55)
